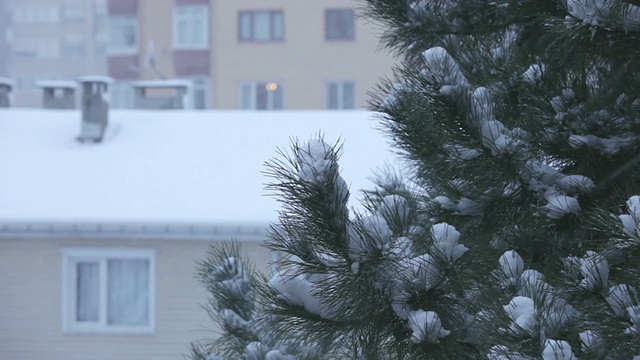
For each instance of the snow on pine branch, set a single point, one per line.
(601, 13)
(557, 189)
(371, 251)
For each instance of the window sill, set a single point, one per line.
(109, 331)
(280, 41)
(191, 47)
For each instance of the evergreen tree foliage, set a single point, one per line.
(519, 237)
(234, 306)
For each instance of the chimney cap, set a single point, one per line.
(7, 81)
(96, 79)
(65, 84)
(168, 83)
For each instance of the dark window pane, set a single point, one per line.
(332, 96)
(246, 96)
(277, 25)
(245, 26)
(277, 98)
(262, 97)
(88, 292)
(339, 24)
(348, 101)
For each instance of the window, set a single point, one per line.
(108, 290)
(339, 24)
(74, 46)
(261, 96)
(340, 95)
(123, 35)
(191, 27)
(200, 94)
(74, 10)
(260, 26)
(40, 13)
(44, 48)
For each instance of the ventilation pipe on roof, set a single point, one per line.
(95, 107)
(58, 94)
(6, 85)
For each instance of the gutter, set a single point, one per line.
(133, 230)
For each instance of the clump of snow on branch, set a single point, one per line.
(521, 311)
(442, 70)
(534, 73)
(446, 239)
(557, 350)
(557, 189)
(559, 205)
(598, 13)
(512, 267)
(299, 291)
(631, 221)
(313, 160)
(426, 326)
(595, 271)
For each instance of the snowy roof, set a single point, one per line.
(95, 78)
(6, 81)
(172, 83)
(57, 84)
(192, 173)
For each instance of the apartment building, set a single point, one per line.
(249, 54)
(4, 38)
(51, 39)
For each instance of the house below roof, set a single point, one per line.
(98, 245)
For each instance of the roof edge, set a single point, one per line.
(132, 230)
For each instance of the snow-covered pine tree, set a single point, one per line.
(520, 123)
(234, 306)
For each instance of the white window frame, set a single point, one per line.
(254, 93)
(192, 11)
(340, 100)
(70, 257)
(200, 84)
(123, 49)
(275, 34)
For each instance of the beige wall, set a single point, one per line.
(155, 25)
(31, 308)
(304, 61)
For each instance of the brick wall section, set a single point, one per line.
(121, 67)
(122, 7)
(192, 2)
(191, 63)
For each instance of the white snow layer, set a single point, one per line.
(166, 166)
(426, 326)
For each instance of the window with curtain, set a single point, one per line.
(339, 24)
(340, 95)
(191, 27)
(110, 292)
(261, 95)
(123, 35)
(261, 26)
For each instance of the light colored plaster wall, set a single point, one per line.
(31, 309)
(304, 61)
(61, 67)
